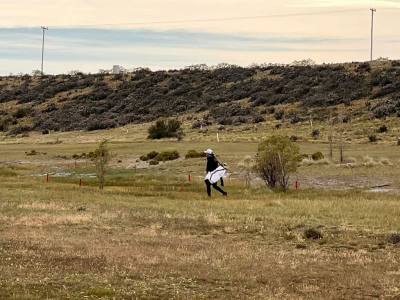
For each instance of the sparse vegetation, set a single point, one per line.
(102, 157)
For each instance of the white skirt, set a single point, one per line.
(216, 175)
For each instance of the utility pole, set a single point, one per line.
(43, 29)
(373, 10)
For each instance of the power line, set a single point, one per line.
(184, 21)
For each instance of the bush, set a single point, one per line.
(144, 158)
(154, 162)
(279, 115)
(194, 154)
(22, 112)
(152, 154)
(277, 157)
(149, 156)
(317, 156)
(312, 234)
(394, 238)
(372, 138)
(166, 129)
(315, 133)
(167, 155)
(32, 153)
(382, 129)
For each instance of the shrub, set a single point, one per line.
(22, 112)
(166, 129)
(312, 234)
(315, 133)
(372, 138)
(279, 115)
(144, 158)
(154, 162)
(317, 156)
(32, 153)
(382, 129)
(167, 155)
(194, 154)
(394, 238)
(149, 156)
(277, 157)
(152, 154)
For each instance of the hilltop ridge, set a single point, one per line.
(228, 95)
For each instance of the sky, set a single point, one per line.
(89, 35)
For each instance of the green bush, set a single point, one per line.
(167, 155)
(152, 154)
(317, 156)
(194, 154)
(277, 157)
(144, 158)
(149, 156)
(154, 162)
(166, 129)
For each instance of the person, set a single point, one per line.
(215, 172)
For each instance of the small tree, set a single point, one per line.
(277, 157)
(102, 157)
(247, 166)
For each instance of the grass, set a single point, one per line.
(148, 238)
(152, 234)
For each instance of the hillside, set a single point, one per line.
(228, 95)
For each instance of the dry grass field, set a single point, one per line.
(151, 234)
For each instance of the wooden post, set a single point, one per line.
(47, 177)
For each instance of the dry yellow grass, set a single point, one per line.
(147, 240)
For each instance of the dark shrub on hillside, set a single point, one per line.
(22, 112)
(382, 129)
(279, 115)
(154, 162)
(165, 129)
(20, 129)
(235, 114)
(372, 138)
(317, 156)
(394, 238)
(167, 155)
(315, 133)
(5, 122)
(101, 124)
(194, 154)
(386, 108)
(312, 234)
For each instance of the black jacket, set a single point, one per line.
(212, 163)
